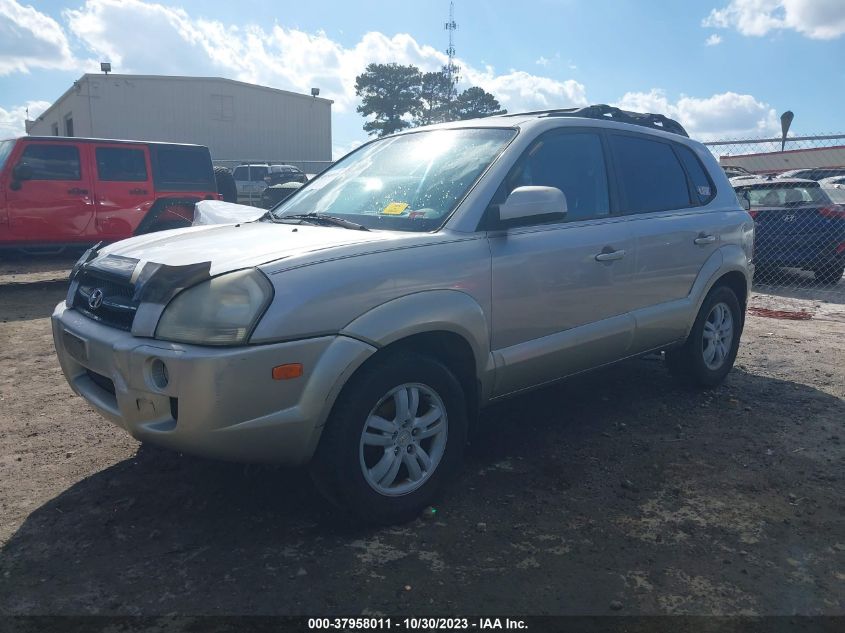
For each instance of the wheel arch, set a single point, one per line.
(447, 325)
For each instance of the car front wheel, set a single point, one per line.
(395, 435)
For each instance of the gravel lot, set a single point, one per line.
(616, 492)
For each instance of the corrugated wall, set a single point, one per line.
(236, 121)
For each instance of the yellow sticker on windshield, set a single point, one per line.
(395, 208)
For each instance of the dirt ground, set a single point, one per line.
(616, 492)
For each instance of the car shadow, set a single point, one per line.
(162, 532)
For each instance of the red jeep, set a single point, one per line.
(57, 192)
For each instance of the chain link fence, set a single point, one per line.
(796, 195)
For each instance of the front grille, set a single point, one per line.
(101, 381)
(116, 307)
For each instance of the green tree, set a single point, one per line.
(436, 96)
(476, 102)
(388, 92)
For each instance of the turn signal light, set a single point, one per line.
(287, 372)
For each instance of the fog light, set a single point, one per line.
(158, 374)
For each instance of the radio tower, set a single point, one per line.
(452, 70)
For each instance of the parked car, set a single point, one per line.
(280, 174)
(274, 194)
(362, 324)
(249, 180)
(834, 188)
(57, 192)
(814, 173)
(797, 225)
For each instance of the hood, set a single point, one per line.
(235, 246)
(219, 212)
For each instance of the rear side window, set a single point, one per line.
(649, 175)
(182, 168)
(703, 188)
(574, 163)
(121, 164)
(52, 162)
(245, 173)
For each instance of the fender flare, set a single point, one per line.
(429, 311)
(728, 258)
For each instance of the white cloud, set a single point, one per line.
(816, 19)
(542, 61)
(12, 120)
(31, 39)
(713, 40)
(280, 57)
(720, 116)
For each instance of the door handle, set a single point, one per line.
(138, 192)
(705, 239)
(611, 256)
(77, 191)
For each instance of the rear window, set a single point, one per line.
(52, 162)
(182, 168)
(784, 195)
(121, 164)
(649, 174)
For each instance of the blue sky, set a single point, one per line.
(725, 68)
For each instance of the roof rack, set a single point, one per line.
(610, 113)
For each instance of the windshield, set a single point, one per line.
(784, 195)
(834, 192)
(5, 150)
(404, 183)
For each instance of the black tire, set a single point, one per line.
(830, 274)
(337, 469)
(226, 186)
(688, 362)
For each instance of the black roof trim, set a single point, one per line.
(610, 113)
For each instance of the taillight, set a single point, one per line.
(752, 213)
(833, 211)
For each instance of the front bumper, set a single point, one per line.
(219, 402)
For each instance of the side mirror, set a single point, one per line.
(22, 172)
(528, 202)
(744, 201)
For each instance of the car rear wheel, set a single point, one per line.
(710, 350)
(395, 436)
(830, 274)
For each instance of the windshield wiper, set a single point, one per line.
(318, 218)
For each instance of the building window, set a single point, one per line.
(222, 107)
(55, 129)
(69, 125)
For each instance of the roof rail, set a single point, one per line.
(610, 113)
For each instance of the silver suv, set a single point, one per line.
(362, 324)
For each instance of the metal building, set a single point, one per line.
(236, 120)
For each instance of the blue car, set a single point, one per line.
(796, 224)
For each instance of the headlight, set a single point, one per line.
(220, 311)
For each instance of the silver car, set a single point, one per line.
(362, 324)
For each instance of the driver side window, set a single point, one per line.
(571, 162)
